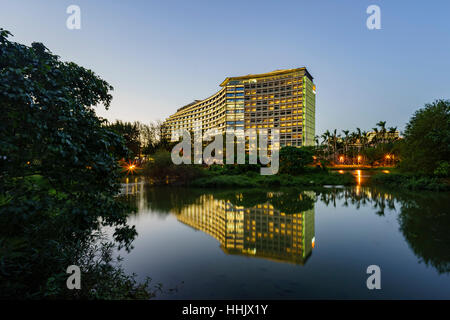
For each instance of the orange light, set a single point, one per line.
(341, 171)
(358, 176)
(341, 158)
(130, 167)
(388, 156)
(385, 171)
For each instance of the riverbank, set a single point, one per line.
(311, 177)
(404, 181)
(253, 179)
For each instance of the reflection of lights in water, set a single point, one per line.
(341, 171)
(385, 171)
(358, 189)
(313, 242)
(358, 176)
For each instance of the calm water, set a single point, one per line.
(290, 244)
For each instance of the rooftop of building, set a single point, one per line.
(267, 74)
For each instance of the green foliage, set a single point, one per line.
(294, 160)
(410, 181)
(427, 139)
(373, 155)
(442, 169)
(59, 174)
(424, 221)
(314, 178)
(162, 170)
(130, 132)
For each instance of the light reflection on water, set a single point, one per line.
(290, 243)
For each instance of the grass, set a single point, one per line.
(410, 182)
(253, 179)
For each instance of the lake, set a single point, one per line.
(290, 243)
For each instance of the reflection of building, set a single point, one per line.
(259, 231)
(283, 99)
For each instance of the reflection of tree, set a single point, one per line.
(425, 223)
(286, 200)
(163, 200)
(424, 218)
(292, 202)
(357, 196)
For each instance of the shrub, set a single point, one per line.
(294, 160)
(162, 170)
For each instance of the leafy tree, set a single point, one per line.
(58, 176)
(427, 139)
(131, 134)
(294, 160)
(162, 170)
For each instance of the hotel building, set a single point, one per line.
(282, 99)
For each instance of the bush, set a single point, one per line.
(59, 176)
(294, 160)
(256, 180)
(161, 170)
(427, 140)
(409, 181)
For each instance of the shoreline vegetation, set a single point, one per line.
(59, 177)
(161, 171)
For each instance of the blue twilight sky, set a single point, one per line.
(160, 55)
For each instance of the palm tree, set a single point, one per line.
(392, 131)
(376, 137)
(359, 137)
(326, 138)
(345, 132)
(334, 136)
(364, 139)
(316, 139)
(382, 125)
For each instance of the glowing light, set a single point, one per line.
(385, 171)
(388, 156)
(358, 176)
(359, 159)
(341, 171)
(341, 158)
(130, 167)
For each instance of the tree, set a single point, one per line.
(427, 138)
(130, 133)
(294, 160)
(58, 175)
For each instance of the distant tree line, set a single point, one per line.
(379, 146)
(141, 139)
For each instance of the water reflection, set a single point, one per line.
(280, 225)
(258, 231)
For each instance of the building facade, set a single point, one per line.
(282, 99)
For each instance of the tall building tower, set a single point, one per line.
(282, 99)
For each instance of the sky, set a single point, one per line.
(161, 55)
